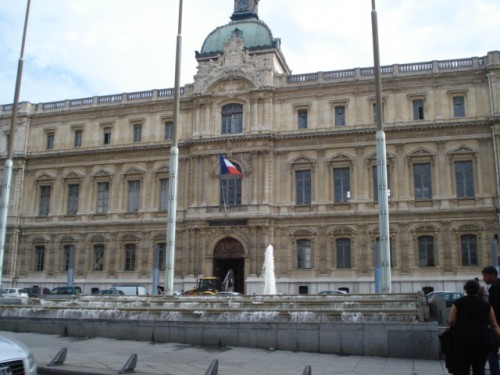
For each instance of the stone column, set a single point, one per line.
(322, 250)
(448, 246)
(113, 258)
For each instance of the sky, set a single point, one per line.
(82, 48)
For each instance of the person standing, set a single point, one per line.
(472, 318)
(490, 277)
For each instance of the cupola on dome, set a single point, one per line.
(255, 33)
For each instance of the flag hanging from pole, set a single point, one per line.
(226, 167)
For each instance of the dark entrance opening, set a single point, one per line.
(222, 266)
(229, 255)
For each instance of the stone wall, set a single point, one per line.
(399, 340)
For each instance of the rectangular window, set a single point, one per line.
(69, 257)
(343, 246)
(130, 255)
(50, 141)
(163, 194)
(232, 118)
(468, 243)
(302, 119)
(426, 251)
(44, 208)
(458, 106)
(375, 183)
(107, 136)
(464, 178)
(134, 190)
(73, 196)
(102, 197)
(98, 264)
(340, 115)
(304, 254)
(137, 133)
(39, 258)
(230, 190)
(422, 181)
(418, 109)
(342, 185)
(78, 138)
(169, 128)
(303, 187)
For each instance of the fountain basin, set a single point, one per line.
(357, 325)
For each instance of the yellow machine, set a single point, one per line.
(210, 285)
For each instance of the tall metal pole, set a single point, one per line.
(174, 163)
(4, 205)
(383, 199)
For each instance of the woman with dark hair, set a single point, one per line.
(472, 319)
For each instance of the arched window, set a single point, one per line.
(232, 118)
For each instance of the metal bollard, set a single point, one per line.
(59, 359)
(213, 369)
(129, 365)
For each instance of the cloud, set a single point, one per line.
(98, 47)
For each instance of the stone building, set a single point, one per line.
(91, 175)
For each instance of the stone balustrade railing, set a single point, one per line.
(354, 74)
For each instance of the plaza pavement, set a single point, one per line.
(108, 356)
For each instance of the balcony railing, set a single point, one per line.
(346, 74)
(397, 69)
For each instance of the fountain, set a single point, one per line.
(268, 271)
(370, 324)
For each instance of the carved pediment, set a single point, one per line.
(129, 237)
(469, 228)
(133, 171)
(45, 177)
(462, 149)
(303, 233)
(68, 239)
(236, 83)
(163, 169)
(98, 238)
(39, 239)
(302, 160)
(425, 228)
(420, 152)
(160, 237)
(73, 176)
(343, 231)
(102, 173)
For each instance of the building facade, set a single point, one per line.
(91, 175)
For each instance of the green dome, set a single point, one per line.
(254, 32)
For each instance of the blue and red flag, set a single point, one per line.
(226, 167)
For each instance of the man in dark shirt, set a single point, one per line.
(490, 277)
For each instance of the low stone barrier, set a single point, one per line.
(371, 325)
(400, 340)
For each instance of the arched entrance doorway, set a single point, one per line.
(229, 255)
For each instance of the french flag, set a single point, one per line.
(226, 167)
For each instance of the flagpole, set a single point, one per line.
(383, 199)
(4, 208)
(174, 164)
